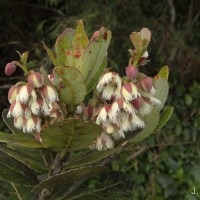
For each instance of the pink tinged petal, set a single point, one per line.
(23, 93)
(146, 84)
(10, 68)
(35, 80)
(12, 94)
(49, 94)
(137, 103)
(131, 72)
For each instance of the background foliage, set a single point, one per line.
(167, 165)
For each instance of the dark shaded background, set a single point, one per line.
(167, 165)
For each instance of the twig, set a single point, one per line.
(5, 86)
(17, 192)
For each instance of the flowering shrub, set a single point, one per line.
(81, 107)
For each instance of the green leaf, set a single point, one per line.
(32, 158)
(51, 55)
(9, 122)
(80, 37)
(78, 133)
(163, 72)
(162, 89)
(151, 122)
(69, 176)
(91, 157)
(21, 139)
(63, 48)
(136, 41)
(13, 171)
(94, 55)
(164, 119)
(46, 79)
(24, 57)
(75, 90)
(95, 79)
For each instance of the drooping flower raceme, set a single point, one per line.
(31, 101)
(127, 102)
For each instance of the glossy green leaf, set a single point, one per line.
(32, 158)
(21, 139)
(162, 89)
(63, 48)
(92, 157)
(51, 55)
(95, 54)
(73, 132)
(69, 176)
(74, 90)
(151, 121)
(13, 171)
(164, 118)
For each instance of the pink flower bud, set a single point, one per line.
(12, 94)
(131, 72)
(145, 84)
(35, 80)
(10, 68)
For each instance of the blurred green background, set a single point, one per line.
(167, 165)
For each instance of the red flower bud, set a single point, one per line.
(131, 72)
(10, 68)
(137, 103)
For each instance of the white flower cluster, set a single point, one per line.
(30, 102)
(128, 103)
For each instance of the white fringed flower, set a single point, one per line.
(103, 115)
(32, 124)
(39, 106)
(110, 86)
(136, 121)
(104, 142)
(49, 94)
(118, 134)
(129, 91)
(24, 93)
(16, 109)
(18, 122)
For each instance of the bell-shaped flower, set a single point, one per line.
(146, 84)
(12, 94)
(104, 142)
(49, 94)
(110, 86)
(16, 109)
(32, 124)
(24, 93)
(35, 80)
(18, 122)
(130, 91)
(102, 114)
